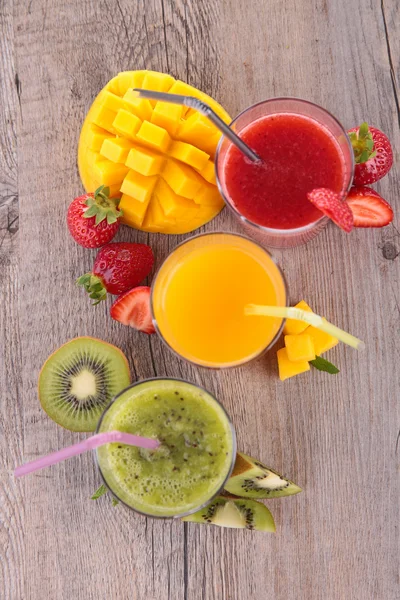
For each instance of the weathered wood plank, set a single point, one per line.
(11, 427)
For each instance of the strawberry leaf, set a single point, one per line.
(324, 365)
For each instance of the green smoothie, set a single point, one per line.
(191, 464)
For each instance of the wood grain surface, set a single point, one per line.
(338, 437)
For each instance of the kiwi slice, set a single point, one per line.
(251, 479)
(79, 380)
(236, 513)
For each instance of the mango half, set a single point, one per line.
(157, 157)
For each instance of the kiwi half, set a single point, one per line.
(251, 479)
(235, 513)
(79, 380)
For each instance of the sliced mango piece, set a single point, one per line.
(108, 172)
(141, 107)
(299, 347)
(183, 180)
(188, 154)
(288, 368)
(153, 136)
(208, 172)
(126, 124)
(128, 80)
(95, 137)
(144, 161)
(208, 195)
(116, 149)
(132, 145)
(322, 341)
(137, 186)
(173, 205)
(133, 211)
(167, 116)
(293, 327)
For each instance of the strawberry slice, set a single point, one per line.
(369, 208)
(133, 309)
(328, 202)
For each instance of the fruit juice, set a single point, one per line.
(200, 293)
(299, 154)
(194, 459)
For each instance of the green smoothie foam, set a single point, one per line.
(193, 460)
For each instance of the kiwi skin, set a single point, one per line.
(237, 513)
(252, 479)
(125, 380)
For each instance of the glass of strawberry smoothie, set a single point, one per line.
(303, 147)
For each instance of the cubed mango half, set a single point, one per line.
(157, 155)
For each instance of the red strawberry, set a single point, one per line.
(133, 308)
(369, 208)
(372, 152)
(118, 267)
(93, 219)
(328, 202)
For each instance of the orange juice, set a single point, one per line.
(199, 295)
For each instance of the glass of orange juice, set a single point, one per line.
(199, 294)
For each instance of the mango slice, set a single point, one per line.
(293, 327)
(322, 341)
(158, 157)
(299, 347)
(287, 368)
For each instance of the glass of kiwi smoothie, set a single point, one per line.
(194, 460)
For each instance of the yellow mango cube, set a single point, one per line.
(160, 82)
(95, 137)
(287, 368)
(208, 172)
(293, 327)
(128, 80)
(299, 347)
(173, 205)
(208, 195)
(199, 128)
(188, 154)
(153, 136)
(116, 149)
(126, 124)
(108, 172)
(141, 107)
(167, 116)
(144, 161)
(322, 341)
(183, 180)
(138, 186)
(103, 117)
(133, 211)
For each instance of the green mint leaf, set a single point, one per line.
(115, 502)
(100, 492)
(324, 365)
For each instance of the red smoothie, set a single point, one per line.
(299, 155)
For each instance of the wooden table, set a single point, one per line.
(336, 436)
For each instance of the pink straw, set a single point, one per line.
(90, 444)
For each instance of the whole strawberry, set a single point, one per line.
(118, 268)
(372, 152)
(93, 219)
